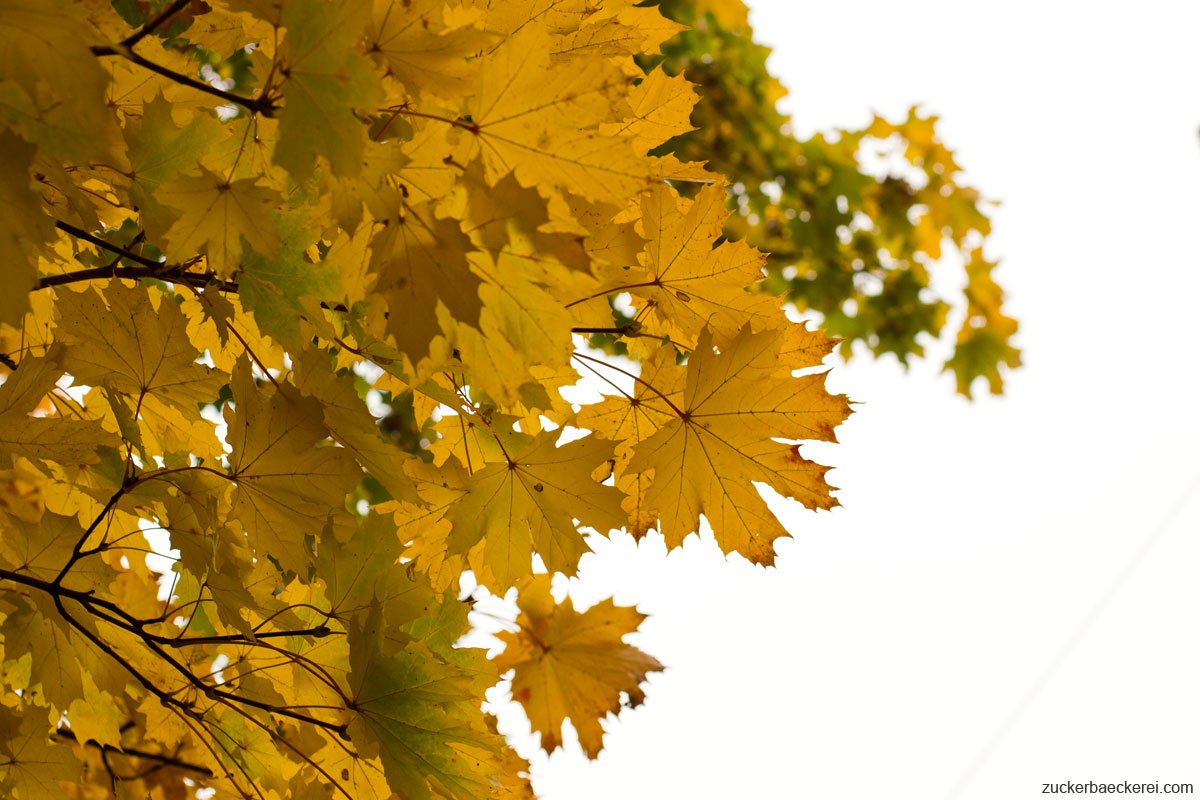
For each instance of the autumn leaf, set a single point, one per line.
(63, 440)
(721, 438)
(134, 348)
(572, 665)
(527, 504)
(687, 283)
(23, 227)
(51, 87)
(32, 765)
(287, 488)
(159, 152)
(413, 715)
(216, 215)
(325, 79)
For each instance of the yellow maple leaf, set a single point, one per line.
(722, 437)
(67, 441)
(662, 108)
(122, 340)
(420, 261)
(528, 503)
(686, 284)
(540, 119)
(287, 488)
(568, 664)
(214, 217)
(432, 59)
(95, 717)
(33, 766)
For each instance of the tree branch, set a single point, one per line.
(154, 24)
(133, 752)
(258, 105)
(196, 280)
(172, 273)
(79, 233)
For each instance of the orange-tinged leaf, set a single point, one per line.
(572, 665)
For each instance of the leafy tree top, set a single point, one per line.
(238, 232)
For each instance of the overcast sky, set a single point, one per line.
(901, 633)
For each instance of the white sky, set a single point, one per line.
(899, 632)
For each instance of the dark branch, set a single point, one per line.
(79, 233)
(197, 280)
(75, 553)
(172, 273)
(133, 752)
(621, 331)
(258, 105)
(156, 23)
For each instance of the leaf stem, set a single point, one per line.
(639, 379)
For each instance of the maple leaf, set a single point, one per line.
(540, 120)
(412, 713)
(325, 79)
(686, 283)
(420, 50)
(23, 226)
(572, 665)
(795, 195)
(134, 347)
(529, 502)
(159, 151)
(63, 440)
(420, 261)
(721, 438)
(215, 215)
(52, 88)
(286, 487)
(32, 765)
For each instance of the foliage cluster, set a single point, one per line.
(238, 232)
(845, 240)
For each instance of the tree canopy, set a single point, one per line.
(297, 299)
